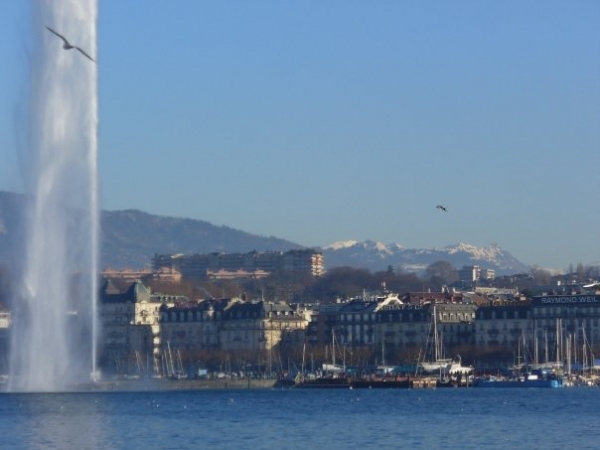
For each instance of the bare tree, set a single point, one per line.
(441, 272)
(540, 276)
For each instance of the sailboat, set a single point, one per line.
(180, 371)
(332, 375)
(438, 364)
(173, 373)
(335, 370)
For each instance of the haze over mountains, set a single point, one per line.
(376, 256)
(130, 238)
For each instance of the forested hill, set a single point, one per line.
(130, 238)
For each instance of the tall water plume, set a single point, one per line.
(53, 343)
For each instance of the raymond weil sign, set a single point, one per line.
(566, 300)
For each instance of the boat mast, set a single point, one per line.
(568, 353)
(180, 368)
(584, 360)
(536, 358)
(170, 362)
(436, 344)
(332, 349)
(558, 342)
(303, 357)
(546, 347)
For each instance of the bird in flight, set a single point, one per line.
(442, 208)
(68, 46)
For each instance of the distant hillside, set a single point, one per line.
(377, 256)
(130, 239)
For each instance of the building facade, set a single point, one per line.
(145, 329)
(130, 329)
(469, 274)
(254, 333)
(256, 264)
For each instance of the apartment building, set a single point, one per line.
(390, 327)
(229, 325)
(564, 324)
(129, 326)
(201, 266)
(469, 274)
(502, 326)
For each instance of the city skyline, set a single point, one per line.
(340, 121)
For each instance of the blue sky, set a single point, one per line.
(319, 121)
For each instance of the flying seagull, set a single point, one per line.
(442, 207)
(67, 45)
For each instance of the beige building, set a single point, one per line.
(163, 274)
(130, 327)
(231, 327)
(388, 330)
(411, 328)
(142, 329)
(200, 266)
(468, 274)
(228, 325)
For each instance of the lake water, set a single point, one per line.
(294, 418)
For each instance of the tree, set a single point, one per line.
(581, 272)
(540, 276)
(441, 272)
(342, 282)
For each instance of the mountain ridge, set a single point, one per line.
(378, 256)
(131, 237)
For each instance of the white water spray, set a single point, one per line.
(53, 343)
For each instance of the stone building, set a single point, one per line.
(386, 329)
(130, 328)
(247, 330)
(200, 266)
(140, 328)
(502, 326)
(565, 327)
(549, 330)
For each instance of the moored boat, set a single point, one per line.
(382, 383)
(324, 383)
(531, 380)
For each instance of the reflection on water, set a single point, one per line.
(60, 421)
(290, 419)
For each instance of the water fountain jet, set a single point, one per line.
(54, 325)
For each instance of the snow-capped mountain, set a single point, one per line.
(376, 256)
(130, 238)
